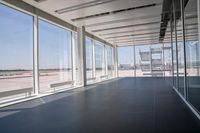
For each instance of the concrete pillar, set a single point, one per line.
(116, 60)
(74, 78)
(82, 55)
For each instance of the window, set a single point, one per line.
(16, 53)
(143, 60)
(77, 77)
(174, 49)
(192, 53)
(89, 58)
(126, 65)
(55, 63)
(110, 61)
(167, 59)
(100, 61)
(180, 47)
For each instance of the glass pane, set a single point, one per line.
(16, 53)
(55, 66)
(89, 58)
(126, 61)
(77, 77)
(149, 60)
(167, 64)
(110, 61)
(167, 60)
(192, 53)
(180, 47)
(142, 54)
(99, 61)
(174, 46)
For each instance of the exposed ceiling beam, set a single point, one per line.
(123, 20)
(126, 26)
(167, 7)
(139, 43)
(147, 33)
(154, 39)
(132, 35)
(139, 30)
(129, 31)
(125, 39)
(165, 17)
(103, 14)
(82, 6)
(189, 31)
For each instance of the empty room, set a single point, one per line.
(99, 66)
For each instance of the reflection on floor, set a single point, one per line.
(126, 105)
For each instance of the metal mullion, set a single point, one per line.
(105, 60)
(177, 71)
(35, 56)
(198, 18)
(93, 59)
(83, 56)
(134, 62)
(184, 46)
(113, 62)
(73, 58)
(163, 59)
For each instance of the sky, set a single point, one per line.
(16, 39)
(16, 43)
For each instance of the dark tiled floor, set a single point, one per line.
(128, 105)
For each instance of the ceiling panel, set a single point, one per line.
(133, 16)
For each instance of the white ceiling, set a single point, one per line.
(143, 25)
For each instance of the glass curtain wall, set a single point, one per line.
(126, 61)
(174, 47)
(188, 37)
(144, 60)
(110, 61)
(16, 53)
(192, 52)
(55, 63)
(89, 58)
(76, 60)
(167, 60)
(180, 46)
(142, 63)
(149, 60)
(58, 52)
(100, 61)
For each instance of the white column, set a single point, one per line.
(93, 58)
(116, 60)
(82, 55)
(35, 56)
(106, 60)
(74, 78)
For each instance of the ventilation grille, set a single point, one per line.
(39, 1)
(116, 11)
(83, 5)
